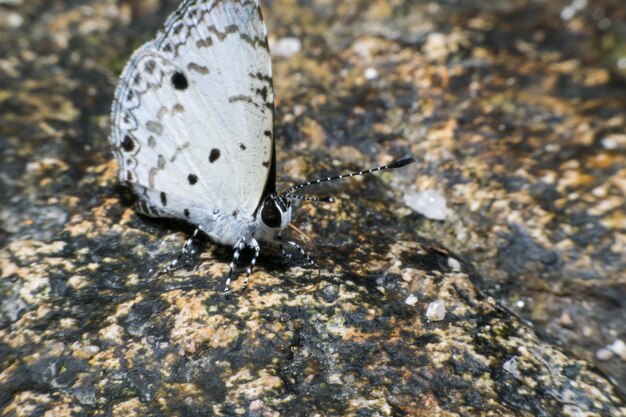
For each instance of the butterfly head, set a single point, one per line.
(276, 212)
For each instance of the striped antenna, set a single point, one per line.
(325, 199)
(396, 164)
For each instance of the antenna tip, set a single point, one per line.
(327, 199)
(402, 162)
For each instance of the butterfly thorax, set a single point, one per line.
(227, 229)
(273, 215)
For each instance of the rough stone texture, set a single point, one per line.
(516, 111)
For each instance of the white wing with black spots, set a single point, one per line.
(193, 115)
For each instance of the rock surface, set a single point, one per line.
(517, 115)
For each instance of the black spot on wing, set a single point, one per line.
(214, 155)
(179, 81)
(163, 199)
(242, 146)
(268, 133)
(186, 212)
(127, 144)
(192, 178)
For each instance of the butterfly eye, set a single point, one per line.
(271, 215)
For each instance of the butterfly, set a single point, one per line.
(192, 128)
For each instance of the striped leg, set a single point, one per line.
(284, 253)
(254, 245)
(184, 251)
(241, 243)
(302, 252)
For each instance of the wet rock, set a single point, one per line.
(513, 128)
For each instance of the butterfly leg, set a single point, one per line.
(184, 251)
(241, 243)
(284, 253)
(302, 252)
(255, 246)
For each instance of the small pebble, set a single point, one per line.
(411, 300)
(454, 265)
(287, 47)
(619, 348)
(436, 310)
(92, 349)
(614, 141)
(430, 204)
(511, 367)
(12, 20)
(608, 143)
(604, 354)
(371, 73)
(566, 320)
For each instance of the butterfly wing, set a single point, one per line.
(192, 118)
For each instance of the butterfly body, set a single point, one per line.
(193, 127)
(193, 120)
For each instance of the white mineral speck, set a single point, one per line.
(619, 348)
(92, 349)
(429, 203)
(411, 300)
(608, 143)
(566, 320)
(14, 20)
(614, 141)
(567, 13)
(454, 265)
(287, 47)
(604, 354)
(371, 73)
(436, 310)
(511, 367)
